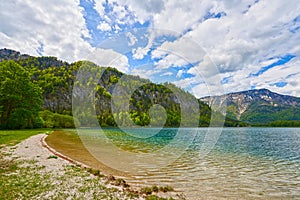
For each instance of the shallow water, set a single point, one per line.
(245, 163)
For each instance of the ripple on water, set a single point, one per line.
(246, 163)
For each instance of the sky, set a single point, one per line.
(208, 47)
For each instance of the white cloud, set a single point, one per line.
(205, 69)
(132, 39)
(56, 25)
(170, 60)
(177, 16)
(167, 74)
(180, 53)
(241, 81)
(239, 43)
(179, 73)
(184, 47)
(117, 15)
(143, 73)
(108, 57)
(140, 52)
(288, 73)
(242, 43)
(144, 10)
(186, 82)
(202, 90)
(104, 27)
(248, 36)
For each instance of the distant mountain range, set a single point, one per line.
(258, 106)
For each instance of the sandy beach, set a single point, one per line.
(65, 178)
(33, 153)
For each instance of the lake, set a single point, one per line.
(242, 163)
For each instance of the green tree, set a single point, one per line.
(20, 99)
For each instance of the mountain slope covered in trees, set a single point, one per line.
(56, 78)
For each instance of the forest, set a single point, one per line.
(37, 92)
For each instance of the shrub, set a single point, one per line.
(155, 188)
(146, 190)
(50, 157)
(166, 189)
(55, 120)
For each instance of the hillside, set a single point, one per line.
(259, 106)
(56, 78)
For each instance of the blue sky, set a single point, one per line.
(207, 47)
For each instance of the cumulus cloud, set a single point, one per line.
(143, 72)
(140, 52)
(108, 57)
(243, 41)
(114, 14)
(288, 73)
(143, 10)
(184, 47)
(179, 73)
(170, 60)
(104, 26)
(132, 39)
(219, 38)
(57, 26)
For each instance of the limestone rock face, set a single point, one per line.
(247, 105)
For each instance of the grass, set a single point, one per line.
(13, 137)
(52, 157)
(154, 197)
(155, 189)
(27, 180)
(18, 181)
(15, 181)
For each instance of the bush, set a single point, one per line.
(146, 190)
(154, 197)
(166, 189)
(155, 188)
(55, 120)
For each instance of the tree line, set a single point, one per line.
(37, 92)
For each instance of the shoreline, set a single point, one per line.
(53, 151)
(46, 161)
(89, 161)
(63, 173)
(106, 171)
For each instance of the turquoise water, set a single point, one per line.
(245, 163)
(276, 143)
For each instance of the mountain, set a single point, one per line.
(8, 54)
(258, 106)
(56, 78)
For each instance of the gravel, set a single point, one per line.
(67, 181)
